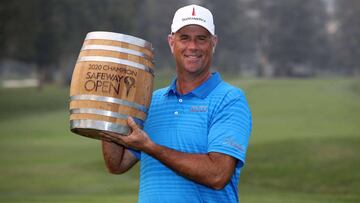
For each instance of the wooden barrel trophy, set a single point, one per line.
(112, 79)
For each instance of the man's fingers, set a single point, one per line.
(132, 124)
(112, 137)
(107, 136)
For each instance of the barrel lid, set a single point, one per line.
(119, 37)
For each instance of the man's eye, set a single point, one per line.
(203, 38)
(184, 38)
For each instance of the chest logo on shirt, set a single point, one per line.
(198, 109)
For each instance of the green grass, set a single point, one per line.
(306, 141)
(304, 147)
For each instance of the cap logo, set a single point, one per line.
(194, 18)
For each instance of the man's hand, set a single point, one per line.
(117, 158)
(137, 139)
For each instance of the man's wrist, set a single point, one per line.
(150, 148)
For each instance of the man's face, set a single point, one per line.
(192, 47)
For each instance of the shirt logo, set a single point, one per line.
(198, 109)
(232, 142)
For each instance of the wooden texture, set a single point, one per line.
(109, 79)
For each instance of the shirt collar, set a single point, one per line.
(203, 90)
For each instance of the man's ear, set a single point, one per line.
(215, 41)
(171, 42)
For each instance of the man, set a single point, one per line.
(197, 131)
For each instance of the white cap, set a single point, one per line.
(193, 15)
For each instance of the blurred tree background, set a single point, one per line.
(305, 142)
(260, 38)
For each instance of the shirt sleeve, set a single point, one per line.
(230, 127)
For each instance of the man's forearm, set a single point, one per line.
(117, 158)
(213, 170)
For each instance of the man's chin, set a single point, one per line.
(192, 69)
(192, 65)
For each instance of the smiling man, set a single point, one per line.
(195, 138)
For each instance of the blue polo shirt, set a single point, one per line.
(214, 117)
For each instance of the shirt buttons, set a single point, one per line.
(176, 113)
(180, 100)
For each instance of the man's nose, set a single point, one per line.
(192, 44)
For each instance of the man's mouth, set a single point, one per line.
(193, 56)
